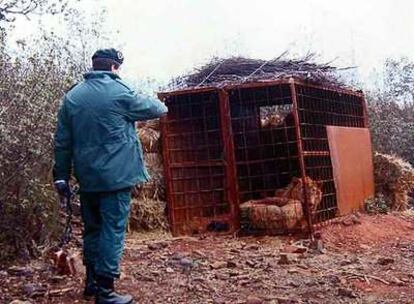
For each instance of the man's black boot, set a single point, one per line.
(90, 283)
(106, 293)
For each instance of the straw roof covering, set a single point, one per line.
(236, 70)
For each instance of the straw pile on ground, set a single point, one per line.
(236, 70)
(394, 179)
(148, 210)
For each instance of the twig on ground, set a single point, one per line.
(365, 276)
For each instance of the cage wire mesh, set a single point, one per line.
(318, 108)
(194, 155)
(276, 159)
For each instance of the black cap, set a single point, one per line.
(110, 54)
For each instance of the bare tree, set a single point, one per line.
(10, 9)
(33, 79)
(391, 110)
(399, 79)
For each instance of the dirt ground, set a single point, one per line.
(359, 259)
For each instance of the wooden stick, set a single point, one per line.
(367, 276)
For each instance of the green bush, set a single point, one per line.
(377, 204)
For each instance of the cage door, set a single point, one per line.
(195, 165)
(351, 156)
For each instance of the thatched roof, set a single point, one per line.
(236, 70)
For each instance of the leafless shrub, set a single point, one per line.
(392, 127)
(30, 90)
(10, 9)
(32, 83)
(391, 111)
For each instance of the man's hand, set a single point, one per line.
(63, 189)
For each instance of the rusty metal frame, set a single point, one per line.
(248, 142)
(309, 155)
(365, 109)
(331, 108)
(230, 189)
(258, 84)
(301, 158)
(229, 158)
(167, 171)
(163, 95)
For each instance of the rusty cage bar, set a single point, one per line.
(223, 147)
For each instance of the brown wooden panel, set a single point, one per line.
(351, 155)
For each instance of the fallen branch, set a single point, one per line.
(59, 292)
(365, 276)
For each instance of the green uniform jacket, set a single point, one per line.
(96, 133)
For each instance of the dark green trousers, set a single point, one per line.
(105, 217)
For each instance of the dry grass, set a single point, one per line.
(149, 134)
(148, 214)
(394, 178)
(236, 70)
(148, 211)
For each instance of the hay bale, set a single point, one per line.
(153, 161)
(155, 188)
(149, 135)
(394, 178)
(148, 214)
(150, 140)
(272, 217)
(148, 208)
(149, 124)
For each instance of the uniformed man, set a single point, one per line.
(96, 134)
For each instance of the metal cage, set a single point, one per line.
(226, 146)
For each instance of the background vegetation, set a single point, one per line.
(35, 76)
(391, 110)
